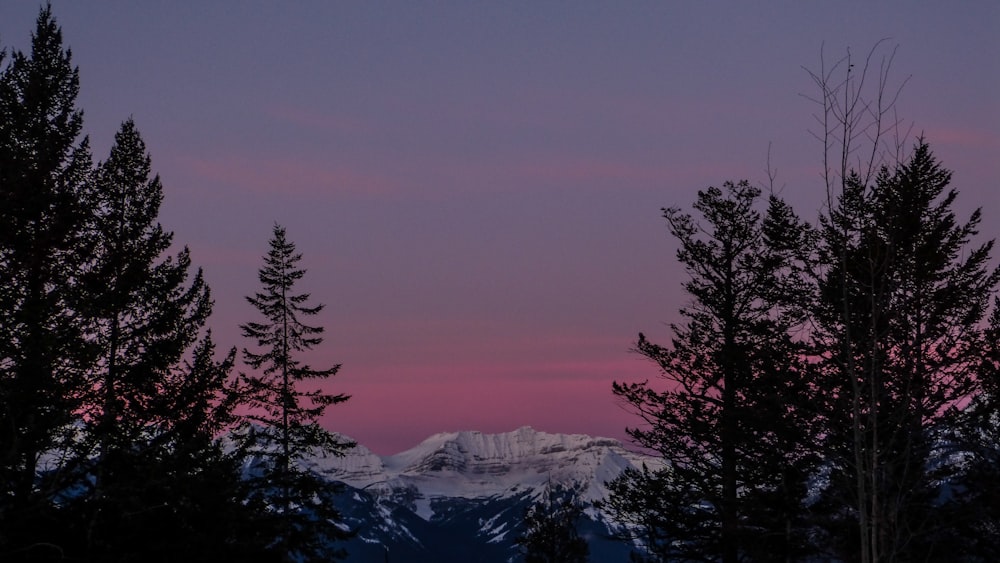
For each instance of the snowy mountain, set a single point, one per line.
(461, 496)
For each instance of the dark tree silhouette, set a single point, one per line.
(647, 507)
(906, 357)
(854, 122)
(550, 534)
(44, 169)
(189, 501)
(284, 430)
(973, 506)
(730, 421)
(142, 315)
(110, 445)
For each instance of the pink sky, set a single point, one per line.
(476, 188)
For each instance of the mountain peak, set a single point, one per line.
(461, 451)
(472, 485)
(472, 464)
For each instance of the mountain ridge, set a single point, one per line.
(488, 462)
(466, 492)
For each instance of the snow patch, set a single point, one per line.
(476, 465)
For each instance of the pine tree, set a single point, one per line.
(109, 443)
(182, 497)
(44, 174)
(142, 315)
(162, 485)
(284, 430)
(899, 328)
(550, 533)
(730, 423)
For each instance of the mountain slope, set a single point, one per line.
(461, 496)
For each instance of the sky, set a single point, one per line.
(476, 186)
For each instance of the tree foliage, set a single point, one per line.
(906, 358)
(284, 429)
(142, 315)
(111, 400)
(863, 355)
(729, 419)
(897, 342)
(869, 437)
(44, 173)
(550, 529)
(972, 508)
(652, 511)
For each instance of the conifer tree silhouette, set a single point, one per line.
(284, 429)
(44, 172)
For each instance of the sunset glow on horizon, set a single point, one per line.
(476, 187)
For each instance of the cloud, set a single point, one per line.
(616, 173)
(286, 175)
(965, 137)
(471, 373)
(390, 417)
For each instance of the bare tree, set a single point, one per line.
(854, 121)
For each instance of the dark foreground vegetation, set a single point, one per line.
(113, 398)
(831, 392)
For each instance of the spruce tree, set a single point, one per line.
(900, 329)
(729, 420)
(155, 480)
(142, 315)
(182, 498)
(284, 429)
(109, 443)
(44, 174)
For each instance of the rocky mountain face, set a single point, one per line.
(461, 496)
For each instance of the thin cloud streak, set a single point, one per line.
(287, 176)
(979, 139)
(394, 416)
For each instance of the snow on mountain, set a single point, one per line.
(465, 492)
(358, 466)
(476, 465)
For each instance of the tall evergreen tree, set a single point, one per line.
(142, 315)
(212, 511)
(550, 533)
(180, 496)
(285, 429)
(44, 173)
(900, 328)
(729, 422)
(109, 442)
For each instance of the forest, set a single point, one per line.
(832, 391)
(126, 435)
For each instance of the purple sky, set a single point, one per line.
(476, 186)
